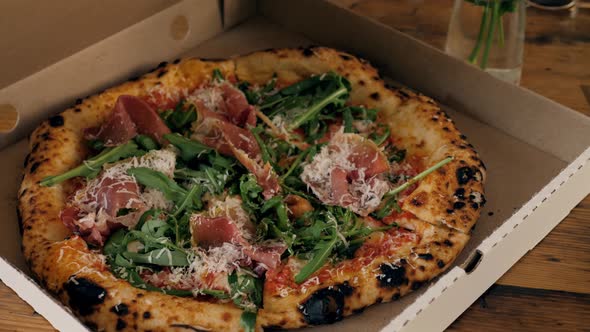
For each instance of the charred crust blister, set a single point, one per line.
(84, 294)
(147, 315)
(392, 275)
(375, 96)
(56, 121)
(326, 306)
(120, 309)
(426, 256)
(121, 324)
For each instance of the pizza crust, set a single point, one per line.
(78, 275)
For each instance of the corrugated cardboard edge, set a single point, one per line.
(46, 305)
(145, 43)
(447, 299)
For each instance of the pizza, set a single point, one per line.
(279, 189)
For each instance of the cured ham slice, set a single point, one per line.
(237, 142)
(269, 255)
(348, 173)
(213, 232)
(225, 101)
(114, 199)
(130, 116)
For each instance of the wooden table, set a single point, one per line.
(549, 288)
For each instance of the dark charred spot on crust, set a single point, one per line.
(35, 147)
(475, 206)
(78, 101)
(416, 202)
(376, 78)
(362, 83)
(403, 93)
(56, 121)
(426, 257)
(462, 136)
(460, 193)
(326, 305)
(44, 136)
(421, 268)
(458, 205)
(465, 174)
(345, 57)
(226, 316)
(34, 167)
(140, 295)
(27, 159)
(147, 315)
(162, 73)
(375, 96)
(392, 275)
(133, 78)
(120, 309)
(395, 297)
(440, 264)
(19, 218)
(359, 310)
(84, 294)
(120, 324)
(162, 64)
(416, 285)
(446, 129)
(307, 52)
(448, 243)
(176, 61)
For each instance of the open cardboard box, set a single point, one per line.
(536, 150)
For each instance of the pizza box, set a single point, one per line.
(537, 152)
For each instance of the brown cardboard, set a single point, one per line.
(525, 188)
(31, 39)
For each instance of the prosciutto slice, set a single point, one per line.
(348, 172)
(237, 142)
(130, 116)
(226, 102)
(213, 232)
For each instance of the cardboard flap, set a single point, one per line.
(31, 39)
(237, 11)
(539, 121)
(128, 53)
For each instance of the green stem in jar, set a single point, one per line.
(482, 27)
(490, 36)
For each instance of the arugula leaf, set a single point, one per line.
(388, 204)
(91, 167)
(158, 180)
(217, 75)
(382, 135)
(250, 191)
(245, 290)
(180, 118)
(248, 321)
(146, 142)
(215, 293)
(189, 149)
(322, 252)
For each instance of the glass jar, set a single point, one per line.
(490, 35)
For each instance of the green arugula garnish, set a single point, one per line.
(91, 167)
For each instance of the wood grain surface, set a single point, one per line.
(549, 288)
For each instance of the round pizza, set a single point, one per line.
(279, 189)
